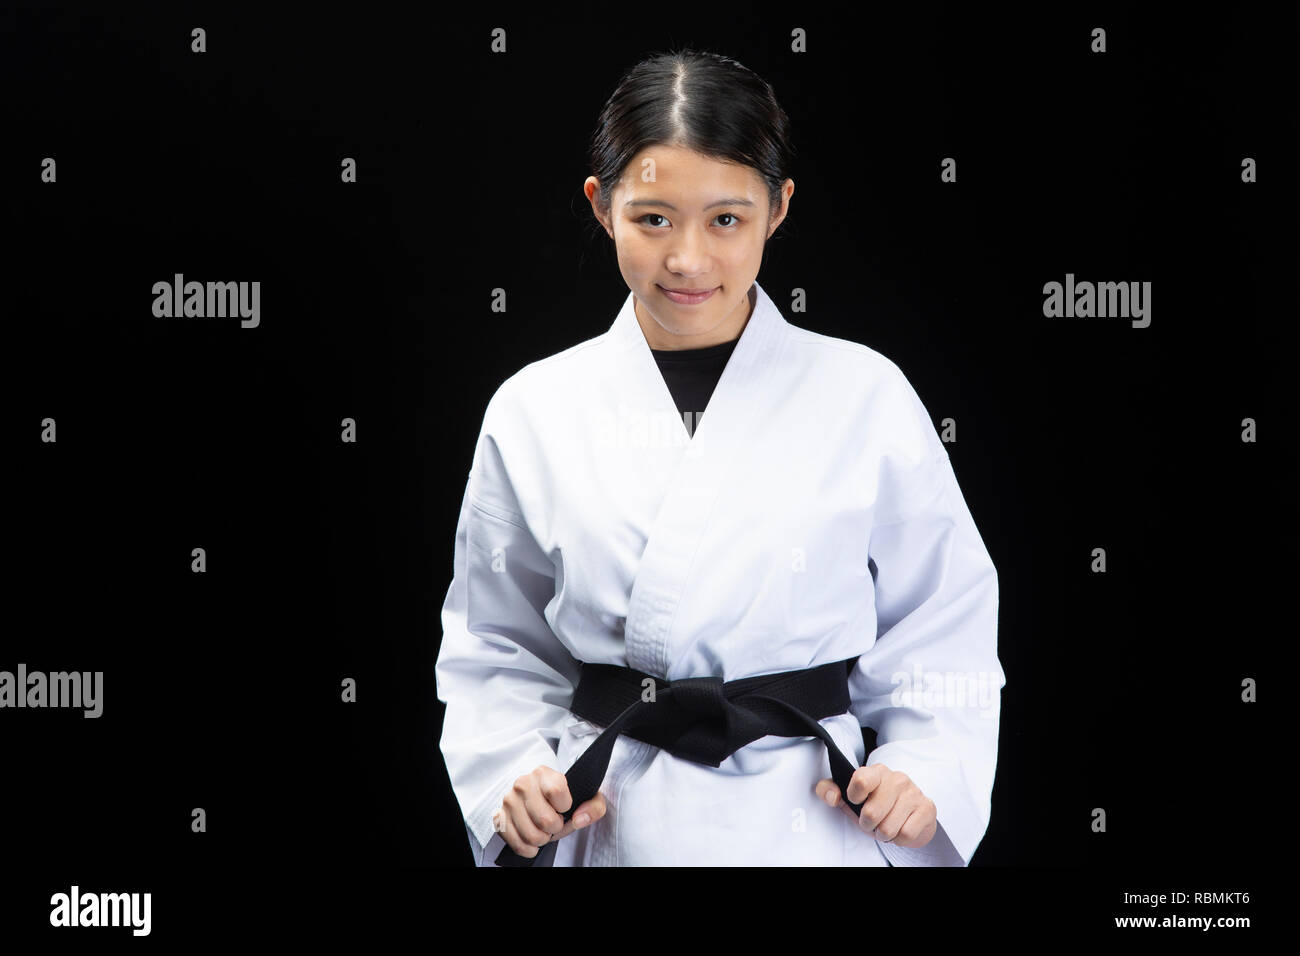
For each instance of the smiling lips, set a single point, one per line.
(688, 296)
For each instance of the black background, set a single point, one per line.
(329, 560)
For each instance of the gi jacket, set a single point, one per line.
(813, 516)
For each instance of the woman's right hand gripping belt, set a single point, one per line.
(529, 816)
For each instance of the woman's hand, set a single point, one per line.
(897, 811)
(529, 817)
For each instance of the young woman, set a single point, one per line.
(666, 631)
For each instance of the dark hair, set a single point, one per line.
(703, 101)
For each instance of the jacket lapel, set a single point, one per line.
(702, 467)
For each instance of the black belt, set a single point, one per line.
(700, 719)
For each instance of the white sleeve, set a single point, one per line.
(504, 676)
(486, 855)
(931, 684)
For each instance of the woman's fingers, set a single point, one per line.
(868, 784)
(528, 806)
(540, 803)
(829, 793)
(887, 830)
(531, 813)
(593, 810)
(506, 827)
(912, 822)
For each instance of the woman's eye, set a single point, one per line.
(728, 225)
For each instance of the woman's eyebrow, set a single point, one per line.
(668, 205)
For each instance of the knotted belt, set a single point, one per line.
(700, 719)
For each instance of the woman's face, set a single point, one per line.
(683, 221)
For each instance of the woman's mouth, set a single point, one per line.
(686, 297)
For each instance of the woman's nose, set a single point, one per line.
(688, 255)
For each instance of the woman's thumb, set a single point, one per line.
(593, 809)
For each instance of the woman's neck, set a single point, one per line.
(730, 329)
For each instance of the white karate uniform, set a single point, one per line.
(593, 528)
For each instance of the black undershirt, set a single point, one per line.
(691, 376)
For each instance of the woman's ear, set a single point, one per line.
(787, 191)
(591, 186)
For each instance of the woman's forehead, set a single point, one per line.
(658, 170)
